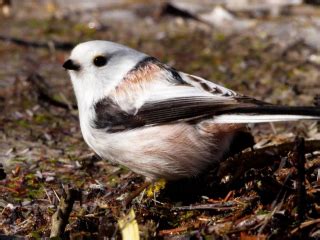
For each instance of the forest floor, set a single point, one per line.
(272, 191)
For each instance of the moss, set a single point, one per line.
(41, 118)
(35, 194)
(36, 234)
(23, 123)
(84, 30)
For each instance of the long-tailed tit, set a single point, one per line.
(161, 123)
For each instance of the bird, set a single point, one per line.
(157, 121)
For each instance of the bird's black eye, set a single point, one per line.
(100, 61)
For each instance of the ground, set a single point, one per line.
(273, 58)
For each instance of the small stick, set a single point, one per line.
(60, 218)
(317, 104)
(24, 43)
(44, 93)
(223, 206)
(305, 224)
(173, 231)
(299, 153)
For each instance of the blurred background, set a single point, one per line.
(268, 49)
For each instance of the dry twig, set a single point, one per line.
(221, 206)
(60, 218)
(300, 160)
(49, 44)
(305, 225)
(44, 93)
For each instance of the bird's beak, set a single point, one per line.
(71, 65)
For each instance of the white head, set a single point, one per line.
(96, 67)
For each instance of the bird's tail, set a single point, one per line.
(267, 113)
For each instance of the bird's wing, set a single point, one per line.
(161, 111)
(165, 97)
(161, 95)
(191, 98)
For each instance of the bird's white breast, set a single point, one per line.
(170, 151)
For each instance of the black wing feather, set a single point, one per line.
(109, 115)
